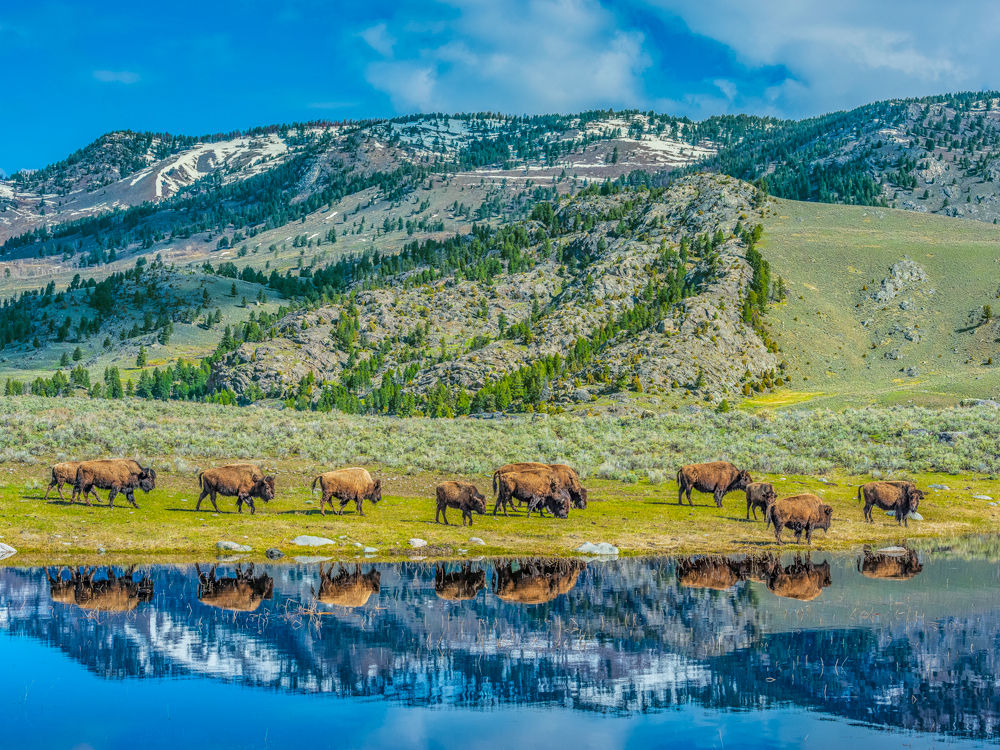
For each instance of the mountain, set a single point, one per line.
(602, 261)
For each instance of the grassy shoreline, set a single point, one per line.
(639, 518)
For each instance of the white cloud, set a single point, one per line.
(842, 54)
(379, 39)
(116, 76)
(511, 55)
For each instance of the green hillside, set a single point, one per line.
(840, 342)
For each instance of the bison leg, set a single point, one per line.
(343, 504)
(51, 485)
(111, 496)
(131, 497)
(868, 511)
(204, 494)
(441, 511)
(798, 536)
(253, 508)
(777, 531)
(59, 490)
(211, 496)
(500, 499)
(467, 513)
(749, 504)
(357, 506)
(718, 499)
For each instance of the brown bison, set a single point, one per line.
(539, 488)
(801, 581)
(347, 485)
(713, 572)
(460, 585)
(567, 476)
(461, 495)
(113, 594)
(717, 477)
(115, 475)
(901, 497)
(64, 473)
(760, 495)
(244, 593)
(536, 581)
(890, 567)
(347, 589)
(800, 513)
(242, 481)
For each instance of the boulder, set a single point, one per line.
(232, 547)
(476, 540)
(311, 541)
(418, 543)
(601, 548)
(274, 554)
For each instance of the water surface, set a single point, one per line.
(737, 652)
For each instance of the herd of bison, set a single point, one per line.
(540, 487)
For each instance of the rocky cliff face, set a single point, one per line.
(451, 330)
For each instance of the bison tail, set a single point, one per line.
(859, 493)
(201, 486)
(314, 484)
(496, 474)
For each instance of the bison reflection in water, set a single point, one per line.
(244, 593)
(347, 589)
(112, 594)
(460, 585)
(802, 581)
(890, 566)
(536, 581)
(721, 573)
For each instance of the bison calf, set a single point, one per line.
(539, 488)
(462, 496)
(900, 497)
(242, 481)
(760, 495)
(800, 513)
(717, 477)
(64, 473)
(347, 485)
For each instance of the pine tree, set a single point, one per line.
(140, 360)
(64, 360)
(77, 354)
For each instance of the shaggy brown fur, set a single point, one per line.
(536, 581)
(242, 481)
(539, 488)
(717, 477)
(800, 513)
(461, 495)
(244, 593)
(890, 567)
(64, 473)
(566, 474)
(347, 485)
(347, 589)
(115, 475)
(801, 581)
(460, 585)
(760, 495)
(901, 497)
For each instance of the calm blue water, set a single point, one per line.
(709, 653)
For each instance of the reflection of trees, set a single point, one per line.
(625, 637)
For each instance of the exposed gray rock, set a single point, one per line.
(911, 372)
(232, 547)
(939, 487)
(476, 540)
(311, 541)
(601, 548)
(980, 402)
(418, 543)
(274, 554)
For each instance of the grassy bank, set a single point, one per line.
(639, 518)
(629, 465)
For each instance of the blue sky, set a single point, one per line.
(75, 70)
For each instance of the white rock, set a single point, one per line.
(417, 543)
(311, 541)
(982, 497)
(370, 550)
(601, 548)
(939, 487)
(915, 517)
(232, 547)
(476, 540)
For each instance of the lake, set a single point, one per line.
(897, 649)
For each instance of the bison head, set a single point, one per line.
(743, 481)
(147, 480)
(580, 499)
(914, 496)
(264, 489)
(826, 515)
(376, 491)
(558, 503)
(477, 502)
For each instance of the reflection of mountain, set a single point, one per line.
(626, 637)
